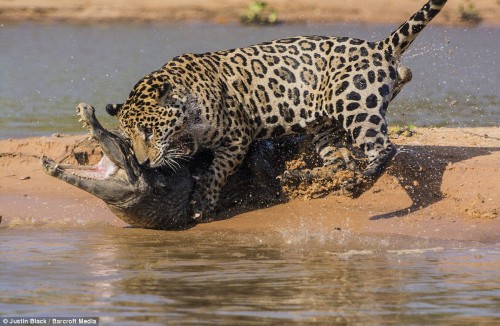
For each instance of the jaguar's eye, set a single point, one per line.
(148, 132)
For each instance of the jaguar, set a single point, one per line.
(336, 89)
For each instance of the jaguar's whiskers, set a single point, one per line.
(171, 158)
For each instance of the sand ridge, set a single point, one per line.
(229, 11)
(442, 184)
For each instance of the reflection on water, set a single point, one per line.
(48, 69)
(131, 276)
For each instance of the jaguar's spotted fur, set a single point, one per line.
(335, 88)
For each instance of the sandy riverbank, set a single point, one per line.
(444, 185)
(229, 11)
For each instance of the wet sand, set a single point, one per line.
(443, 185)
(229, 11)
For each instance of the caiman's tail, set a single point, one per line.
(401, 38)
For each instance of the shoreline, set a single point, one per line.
(439, 187)
(229, 11)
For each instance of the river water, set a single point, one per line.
(46, 70)
(131, 276)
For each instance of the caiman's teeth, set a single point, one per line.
(81, 176)
(100, 171)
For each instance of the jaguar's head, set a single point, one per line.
(155, 118)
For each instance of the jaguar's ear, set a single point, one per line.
(113, 109)
(164, 91)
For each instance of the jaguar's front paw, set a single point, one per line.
(202, 214)
(201, 210)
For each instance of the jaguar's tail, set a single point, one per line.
(401, 38)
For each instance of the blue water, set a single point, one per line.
(46, 70)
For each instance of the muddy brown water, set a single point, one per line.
(131, 276)
(285, 276)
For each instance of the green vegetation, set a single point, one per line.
(258, 13)
(406, 131)
(469, 14)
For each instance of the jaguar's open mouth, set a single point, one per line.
(186, 145)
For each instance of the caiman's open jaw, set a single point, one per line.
(103, 170)
(104, 179)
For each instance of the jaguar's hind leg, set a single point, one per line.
(373, 139)
(331, 145)
(339, 170)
